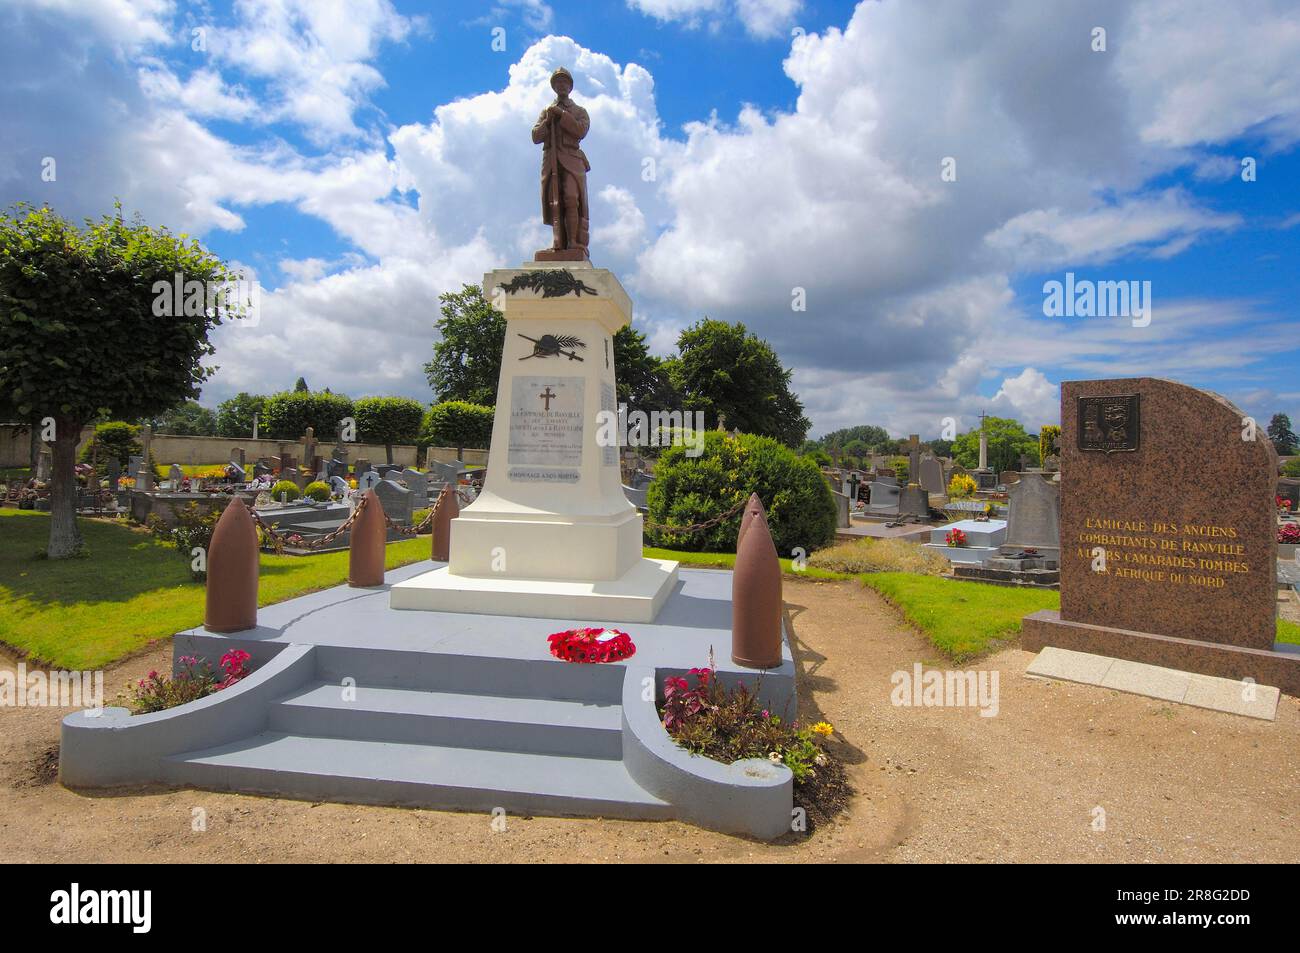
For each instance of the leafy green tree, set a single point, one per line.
(874, 437)
(300, 386)
(467, 355)
(388, 420)
(1007, 441)
(855, 451)
(1284, 439)
(235, 416)
(818, 456)
(288, 415)
(85, 328)
(941, 448)
(725, 369)
(643, 382)
(456, 423)
(1291, 468)
(190, 419)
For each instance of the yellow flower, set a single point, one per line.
(823, 728)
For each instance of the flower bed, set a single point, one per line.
(195, 680)
(728, 725)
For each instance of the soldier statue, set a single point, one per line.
(560, 128)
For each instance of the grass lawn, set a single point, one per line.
(728, 561)
(131, 590)
(966, 619)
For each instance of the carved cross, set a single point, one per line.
(547, 397)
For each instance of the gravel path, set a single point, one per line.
(935, 784)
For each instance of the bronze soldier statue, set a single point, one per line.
(559, 129)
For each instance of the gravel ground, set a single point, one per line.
(1176, 784)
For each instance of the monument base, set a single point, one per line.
(1280, 669)
(560, 254)
(636, 596)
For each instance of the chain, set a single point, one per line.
(698, 527)
(278, 540)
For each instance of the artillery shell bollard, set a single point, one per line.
(752, 505)
(447, 509)
(366, 548)
(232, 571)
(756, 594)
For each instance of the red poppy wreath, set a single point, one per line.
(591, 645)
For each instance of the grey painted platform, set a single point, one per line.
(352, 700)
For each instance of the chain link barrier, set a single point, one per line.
(697, 527)
(279, 540)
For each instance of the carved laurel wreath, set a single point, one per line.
(552, 283)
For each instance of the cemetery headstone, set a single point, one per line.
(44, 465)
(1168, 533)
(1033, 522)
(417, 483)
(399, 502)
(1008, 477)
(932, 475)
(368, 480)
(362, 465)
(175, 475)
(114, 473)
(339, 485)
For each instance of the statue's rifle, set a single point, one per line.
(557, 203)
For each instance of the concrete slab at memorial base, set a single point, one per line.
(352, 700)
(1154, 681)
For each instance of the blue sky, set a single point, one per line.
(358, 158)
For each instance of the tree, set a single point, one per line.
(87, 325)
(874, 437)
(235, 416)
(1046, 438)
(287, 416)
(643, 382)
(466, 363)
(1279, 431)
(724, 369)
(1007, 441)
(455, 423)
(188, 419)
(388, 420)
(467, 355)
(300, 386)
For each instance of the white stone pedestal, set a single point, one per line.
(551, 534)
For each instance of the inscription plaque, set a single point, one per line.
(1109, 424)
(546, 421)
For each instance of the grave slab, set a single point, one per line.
(1228, 695)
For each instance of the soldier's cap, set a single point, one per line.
(561, 72)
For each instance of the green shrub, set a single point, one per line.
(317, 490)
(457, 423)
(388, 420)
(193, 529)
(961, 486)
(285, 490)
(1292, 467)
(800, 509)
(115, 438)
(287, 416)
(902, 468)
(879, 555)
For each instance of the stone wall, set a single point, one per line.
(171, 448)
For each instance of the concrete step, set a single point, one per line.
(433, 776)
(453, 719)
(540, 677)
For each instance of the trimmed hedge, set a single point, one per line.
(456, 423)
(317, 490)
(800, 509)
